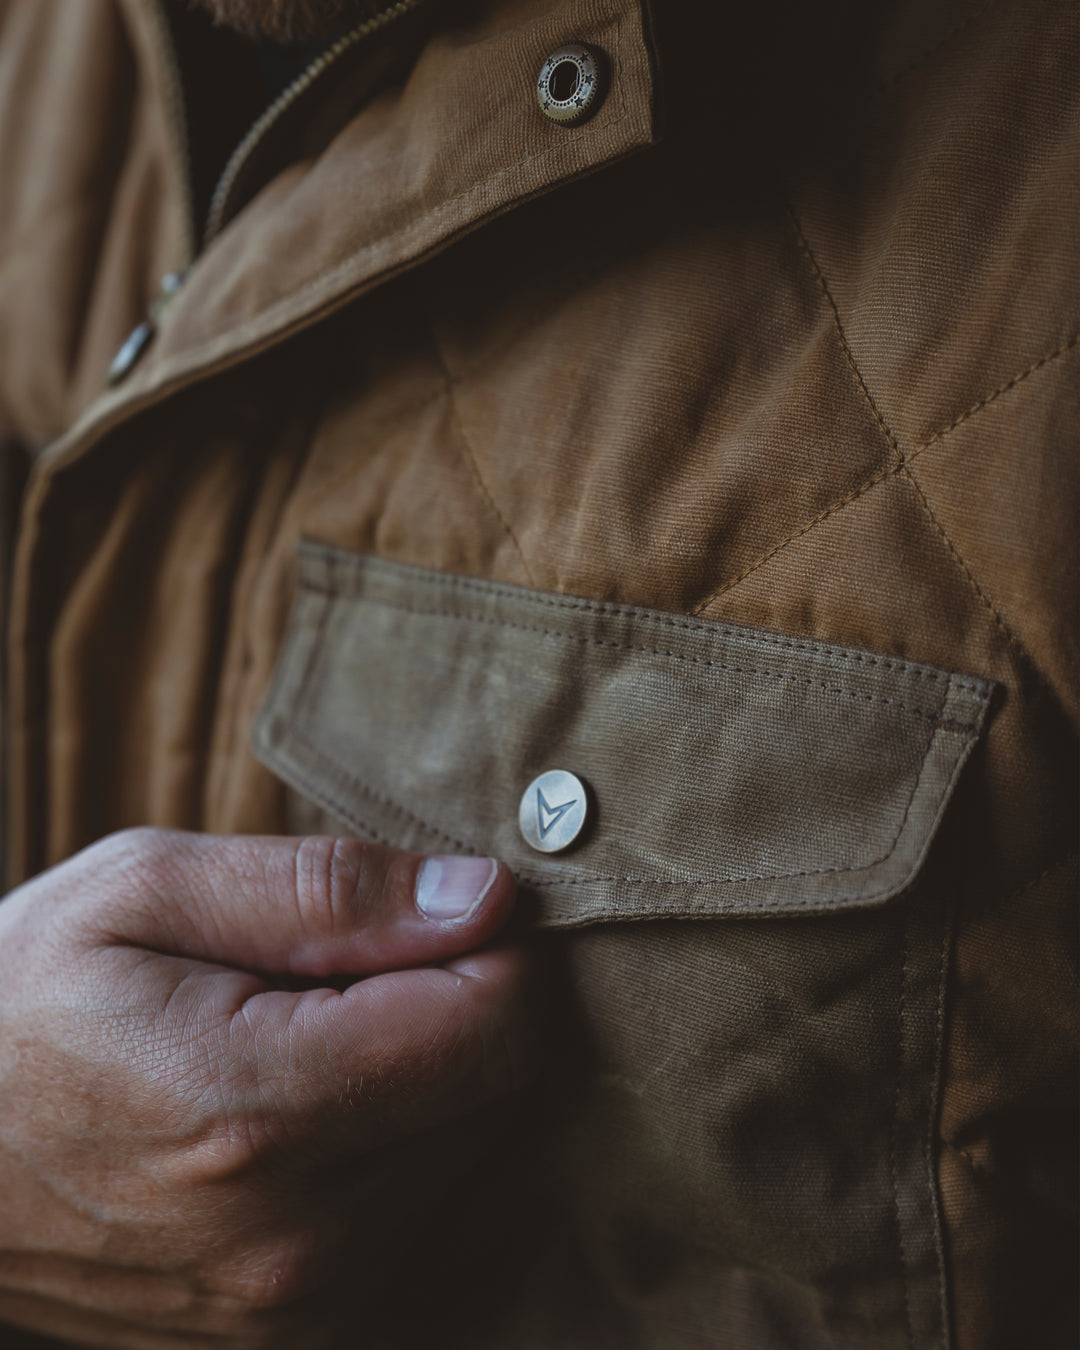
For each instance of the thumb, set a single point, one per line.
(311, 906)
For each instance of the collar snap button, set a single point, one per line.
(131, 352)
(140, 337)
(570, 88)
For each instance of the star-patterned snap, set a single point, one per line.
(568, 88)
(553, 810)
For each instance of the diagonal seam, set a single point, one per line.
(845, 347)
(821, 516)
(1067, 346)
(885, 85)
(474, 467)
(983, 598)
(886, 431)
(994, 394)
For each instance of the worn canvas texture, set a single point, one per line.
(721, 450)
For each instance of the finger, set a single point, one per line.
(28, 1317)
(106, 1303)
(312, 906)
(390, 1055)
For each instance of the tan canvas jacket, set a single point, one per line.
(719, 449)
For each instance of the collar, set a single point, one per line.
(433, 153)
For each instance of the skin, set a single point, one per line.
(288, 21)
(229, 1069)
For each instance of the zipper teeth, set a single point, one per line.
(219, 202)
(176, 113)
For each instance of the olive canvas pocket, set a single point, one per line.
(756, 1088)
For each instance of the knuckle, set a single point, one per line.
(235, 1142)
(139, 864)
(333, 878)
(143, 850)
(274, 1274)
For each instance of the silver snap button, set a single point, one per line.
(553, 811)
(134, 345)
(140, 337)
(568, 88)
(171, 283)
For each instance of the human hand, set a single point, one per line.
(208, 1048)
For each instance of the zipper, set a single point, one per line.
(218, 215)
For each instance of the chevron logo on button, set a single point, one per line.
(553, 810)
(553, 814)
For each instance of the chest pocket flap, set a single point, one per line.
(730, 771)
